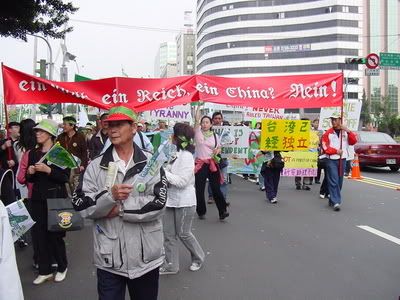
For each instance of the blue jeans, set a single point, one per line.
(335, 179)
(271, 182)
(224, 186)
(112, 286)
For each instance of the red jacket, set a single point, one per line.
(331, 143)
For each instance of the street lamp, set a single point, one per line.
(51, 65)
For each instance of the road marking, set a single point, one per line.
(378, 182)
(380, 233)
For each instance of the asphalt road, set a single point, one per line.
(296, 249)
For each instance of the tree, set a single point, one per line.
(22, 17)
(365, 116)
(387, 120)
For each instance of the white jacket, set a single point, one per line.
(10, 283)
(180, 175)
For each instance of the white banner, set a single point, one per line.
(351, 115)
(258, 114)
(234, 140)
(179, 113)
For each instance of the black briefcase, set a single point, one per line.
(61, 216)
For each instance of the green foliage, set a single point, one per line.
(48, 109)
(387, 120)
(13, 115)
(22, 17)
(365, 115)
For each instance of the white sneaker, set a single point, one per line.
(322, 196)
(274, 200)
(60, 276)
(336, 207)
(42, 278)
(165, 271)
(195, 266)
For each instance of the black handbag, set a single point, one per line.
(61, 216)
(277, 162)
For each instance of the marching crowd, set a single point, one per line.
(136, 224)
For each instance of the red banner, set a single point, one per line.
(141, 94)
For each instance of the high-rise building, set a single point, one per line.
(280, 37)
(185, 47)
(166, 54)
(185, 57)
(381, 33)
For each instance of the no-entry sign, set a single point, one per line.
(372, 61)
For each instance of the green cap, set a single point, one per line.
(49, 126)
(335, 115)
(121, 113)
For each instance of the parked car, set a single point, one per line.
(377, 149)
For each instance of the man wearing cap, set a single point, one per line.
(75, 143)
(98, 141)
(335, 142)
(141, 139)
(128, 239)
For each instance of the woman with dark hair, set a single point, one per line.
(48, 182)
(206, 166)
(27, 142)
(181, 203)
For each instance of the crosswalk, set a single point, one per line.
(378, 182)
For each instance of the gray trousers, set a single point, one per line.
(177, 223)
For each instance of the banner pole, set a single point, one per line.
(341, 123)
(9, 154)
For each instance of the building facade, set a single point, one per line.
(244, 38)
(166, 54)
(185, 56)
(381, 32)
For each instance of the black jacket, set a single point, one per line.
(45, 186)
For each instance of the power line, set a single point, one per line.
(159, 29)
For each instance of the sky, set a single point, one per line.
(102, 51)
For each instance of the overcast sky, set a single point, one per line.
(103, 50)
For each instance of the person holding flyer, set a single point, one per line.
(48, 181)
(124, 191)
(181, 203)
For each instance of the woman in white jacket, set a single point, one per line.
(181, 203)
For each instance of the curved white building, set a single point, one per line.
(244, 38)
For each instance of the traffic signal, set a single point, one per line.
(42, 68)
(355, 60)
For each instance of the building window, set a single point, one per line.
(231, 6)
(223, 7)
(329, 9)
(281, 15)
(345, 9)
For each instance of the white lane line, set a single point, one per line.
(381, 234)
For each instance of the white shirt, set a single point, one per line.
(122, 165)
(180, 175)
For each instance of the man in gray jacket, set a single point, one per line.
(128, 238)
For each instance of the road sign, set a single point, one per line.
(372, 72)
(372, 61)
(390, 61)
